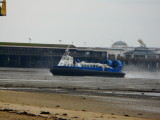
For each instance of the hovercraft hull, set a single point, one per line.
(73, 71)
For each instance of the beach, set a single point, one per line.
(36, 94)
(58, 106)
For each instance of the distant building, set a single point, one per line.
(119, 44)
(30, 54)
(142, 58)
(141, 53)
(115, 52)
(42, 55)
(118, 49)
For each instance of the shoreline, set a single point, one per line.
(84, 98)
(66, 106)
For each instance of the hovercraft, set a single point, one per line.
(70, 67)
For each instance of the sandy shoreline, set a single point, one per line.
(61, 106)
(76, 98)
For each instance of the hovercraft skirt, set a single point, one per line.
(72, 71)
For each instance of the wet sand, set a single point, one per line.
(58, 105)
(81, 98)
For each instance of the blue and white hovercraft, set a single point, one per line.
(70, 67)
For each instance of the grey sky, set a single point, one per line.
(99, 23)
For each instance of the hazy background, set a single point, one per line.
(94, 23)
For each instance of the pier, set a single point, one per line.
(30, 55)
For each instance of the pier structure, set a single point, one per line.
(142, 58)
(32, 55)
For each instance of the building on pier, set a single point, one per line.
(141, 53)
(42, 55)
(142, 58)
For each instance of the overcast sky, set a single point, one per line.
(93, 23)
